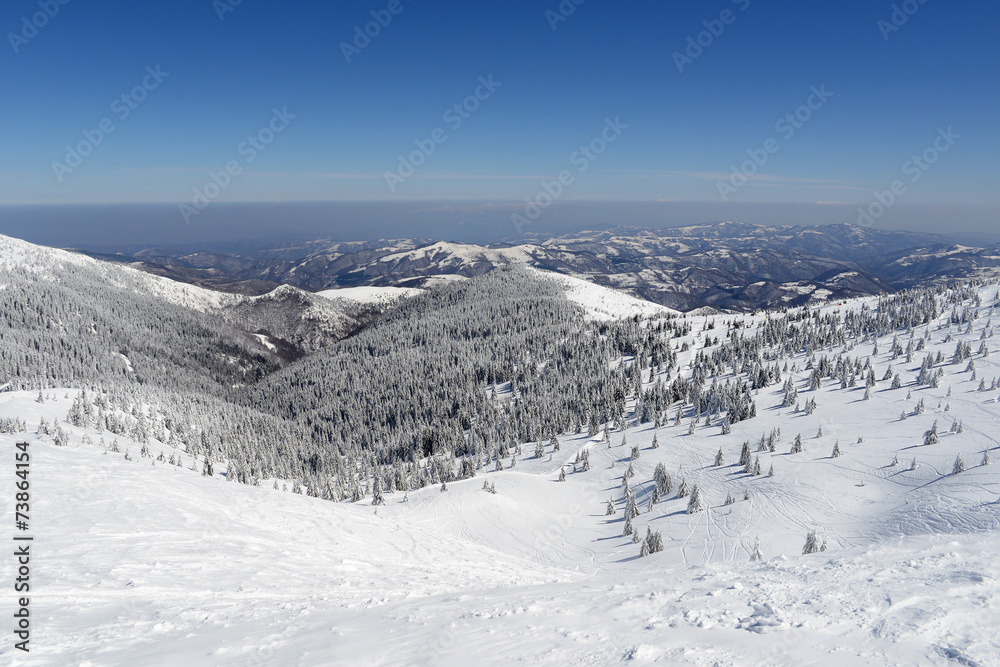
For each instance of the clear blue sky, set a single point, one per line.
(557, 87)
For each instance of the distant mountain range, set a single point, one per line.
(725, 266)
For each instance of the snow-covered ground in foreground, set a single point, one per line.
(604, 303)
(367, 294)
(137, 562)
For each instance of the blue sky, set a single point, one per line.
(343, 125)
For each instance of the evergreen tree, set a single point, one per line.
(756, 556)
(745, 454)
(812, 544)
(694, 503)
(377, 497)
(931, 436)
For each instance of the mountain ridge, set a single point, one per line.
(728, 266)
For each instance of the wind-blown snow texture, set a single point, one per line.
(141, 562)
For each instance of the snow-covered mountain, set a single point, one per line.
(511, 467)
(294, 322)
(728, 266)
(539, 572)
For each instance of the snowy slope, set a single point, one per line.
(51, 264)
(603, 303)
(144, 563)
(287, 311)
(368, 294)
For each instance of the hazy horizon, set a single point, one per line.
(143, 225)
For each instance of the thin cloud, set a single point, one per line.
(430, 175)
(763, 179)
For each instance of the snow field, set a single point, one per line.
(144, 563)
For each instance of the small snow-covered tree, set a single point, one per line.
(756, 556)
(836, 450)
(959, 466)
(664, 482)
(931, 437)
(694, 502)
(719, 459)
(812, 544)
(745, 454)
(377, 497)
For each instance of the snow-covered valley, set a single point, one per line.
(137, 561)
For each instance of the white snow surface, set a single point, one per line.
(604, 303)
(368, 294)
(140, 563)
